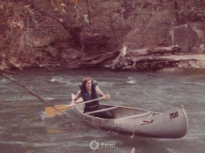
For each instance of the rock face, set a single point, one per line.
(189, 36)
(46, 37)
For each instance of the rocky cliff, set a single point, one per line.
(93, 34)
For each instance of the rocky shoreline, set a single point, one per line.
(139, 60)
(113, 35)
(155, 59)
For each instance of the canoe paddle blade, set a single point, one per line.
(51, 111)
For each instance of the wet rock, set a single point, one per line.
(52, 51)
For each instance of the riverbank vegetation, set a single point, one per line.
(137, 35)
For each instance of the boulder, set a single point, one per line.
(189, 37)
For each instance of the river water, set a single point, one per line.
(24, 127)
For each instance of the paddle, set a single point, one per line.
(51, 111)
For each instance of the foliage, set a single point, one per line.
(138, 23)
(191, 11)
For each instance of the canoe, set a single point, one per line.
(135, 121)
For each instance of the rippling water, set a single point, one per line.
(25, 128)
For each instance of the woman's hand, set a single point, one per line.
(71, 105)
(107, 96)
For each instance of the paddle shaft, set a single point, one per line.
(82, 102)
(50, 111)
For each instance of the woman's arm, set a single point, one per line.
(78, 95)
(100, 93)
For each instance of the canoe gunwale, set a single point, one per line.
(127, 117)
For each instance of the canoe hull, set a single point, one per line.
(170, 124)
(134, 121)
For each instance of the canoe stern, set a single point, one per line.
(170, 124)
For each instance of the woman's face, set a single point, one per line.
(88, 85)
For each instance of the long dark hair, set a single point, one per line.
(85, 80)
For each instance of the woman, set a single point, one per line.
(89, 90)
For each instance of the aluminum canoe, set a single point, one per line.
(135, 121)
